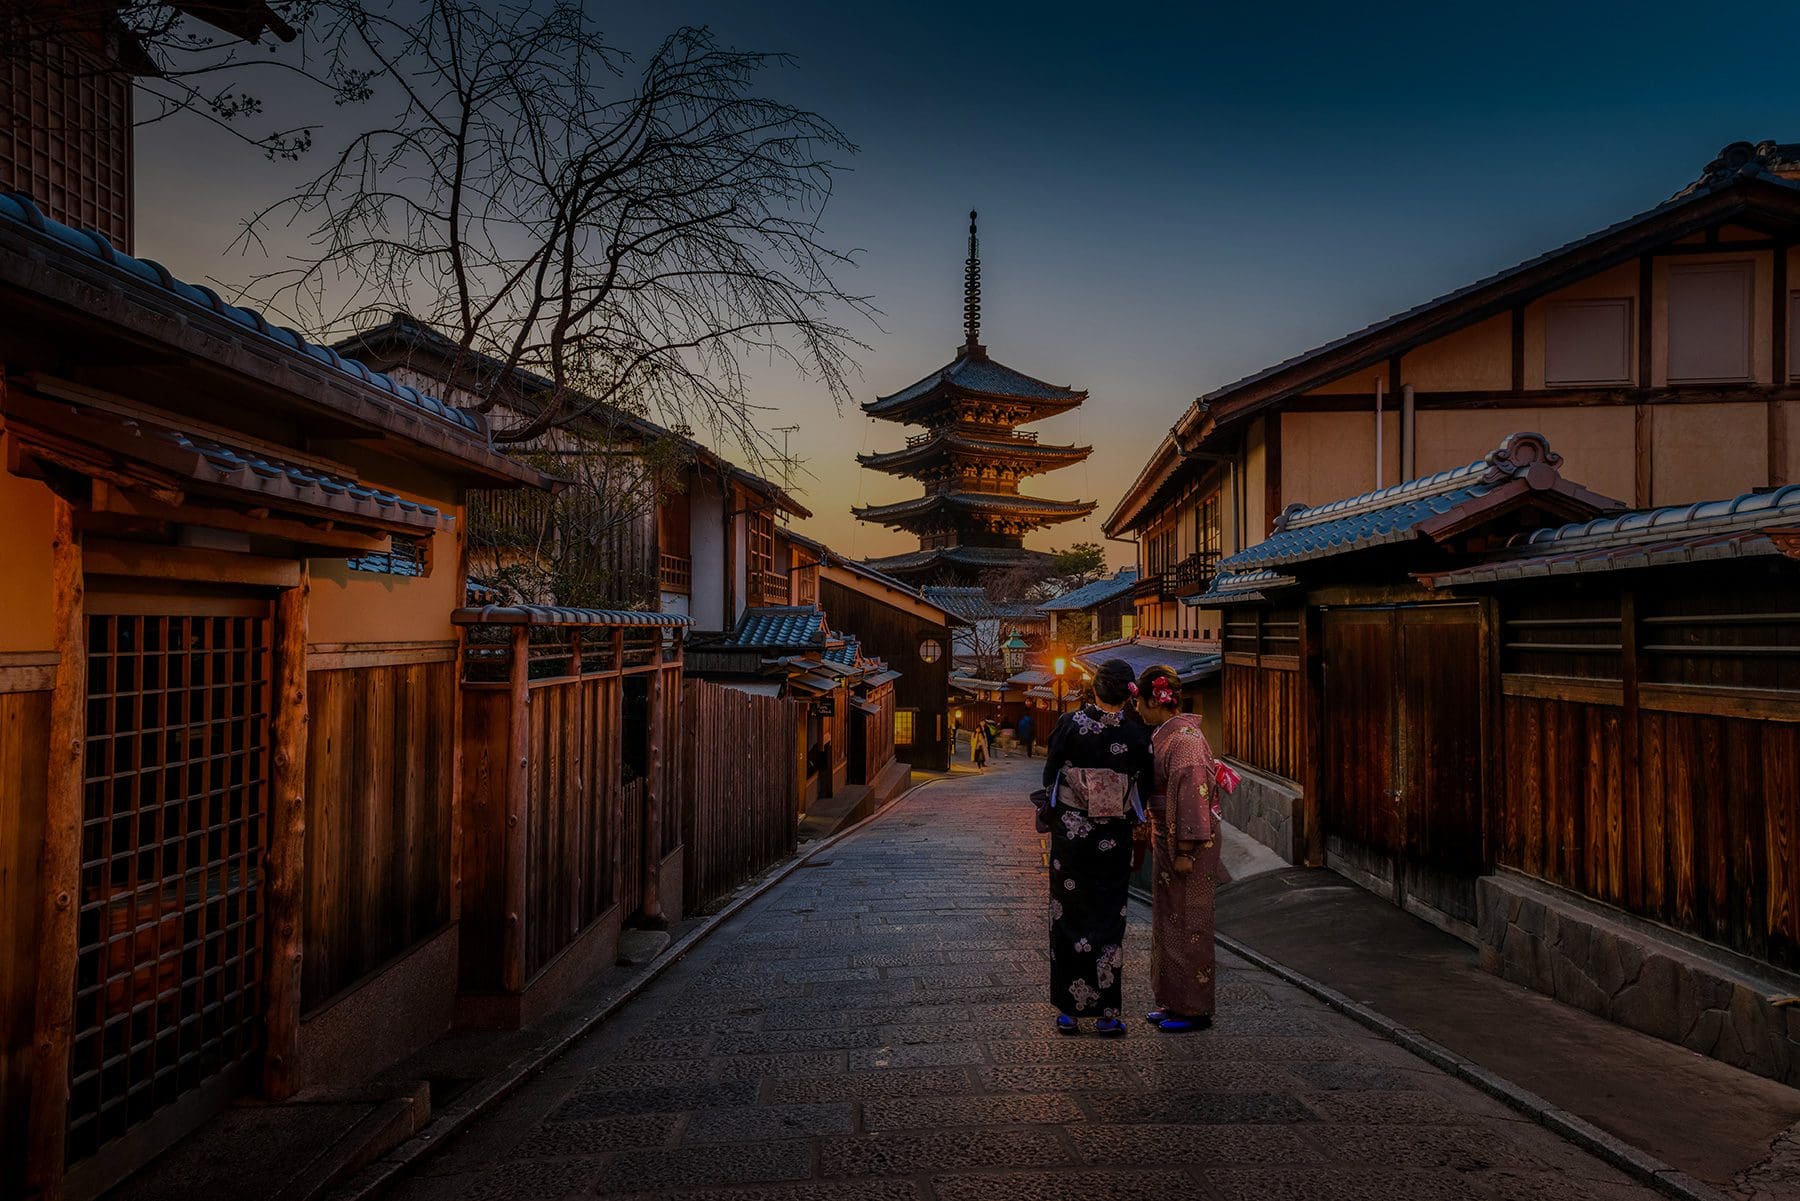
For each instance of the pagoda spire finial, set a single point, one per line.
(972, 290)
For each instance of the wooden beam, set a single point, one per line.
(518, 813)
(1643, 488)
(59, 865)
(1645, 326)
(189, 563)
(284, 872)
(1271, 472)
(653, 794)
(27, 671)
(1518, 348)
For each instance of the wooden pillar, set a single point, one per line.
(518, 804)
(60, 865)
(284, 872)
(614, 741)
(653, 795)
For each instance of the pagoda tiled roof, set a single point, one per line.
(969, 558)
(1032, 507)
(944, 443)
(974, 374)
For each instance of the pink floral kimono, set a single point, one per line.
(1183, 810)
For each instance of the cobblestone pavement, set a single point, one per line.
(875, 1027)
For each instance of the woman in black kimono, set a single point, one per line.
(1090, 857)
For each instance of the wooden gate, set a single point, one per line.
(1401, 796)
(169, 971)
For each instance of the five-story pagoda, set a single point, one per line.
(972, 518)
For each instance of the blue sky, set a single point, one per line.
(1171, 197)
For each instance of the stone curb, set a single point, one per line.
(482, 1097)
(1584, 1134)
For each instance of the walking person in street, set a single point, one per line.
(978, 746)
(1097, 765)
(1184, 821)
(1026, 733)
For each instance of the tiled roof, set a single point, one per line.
(845, 655)
(1189, 664)
(1395, 514)
(17, 209)
(1236, 587)
(980, 502)
(1673, 534)
(951, 440)
(1097, 593)
(558, 615)
(975, 372)
(974, 557)
(773, 626)
(973, 604)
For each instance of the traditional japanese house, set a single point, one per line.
(228, 707)
(1101, 611)
(650, 519)
(1655, 354)
(895, 623)
(1564, 732)
(983, 625)
(971, 459)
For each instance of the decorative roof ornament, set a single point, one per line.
(972, 291)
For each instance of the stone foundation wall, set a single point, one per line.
(1619, 969)
(1263, 807)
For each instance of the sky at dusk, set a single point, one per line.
(1171, 197)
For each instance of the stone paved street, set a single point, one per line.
(875, 1027)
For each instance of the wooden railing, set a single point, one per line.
(1193, 575)
(769, 588)
(676, 572)
(741, 758)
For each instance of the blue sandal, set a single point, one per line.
(1067, 1025)
(1157, 1017)
(1175, 1024)
(1109, 1028)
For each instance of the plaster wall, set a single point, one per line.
(1329, 456)
(707, 539)
(1708, 452)
(1256, 473)
(1476, 359)
(1597, 444)
(27, 508)
(1761, 313)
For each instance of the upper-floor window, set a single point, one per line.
(1587, 342)
(1709, 321)
(1206, 524)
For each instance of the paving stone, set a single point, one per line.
(768, 1121)
(609, 1103)
(1340, 1184)
(649, 1075)
(1410, 1107)
(943, 1150)
(561, 1139)
(1064, 1077)
(658, 1049)
(951, 1032)
(863, 1086)
(776, 1041)
(1006, 1109)
(1334, 1075)
(793, 1063)
(1064, 1185)
(842, 1190)
(1217, 1144)
(946, 1055)
(695, 1167)
(1197, 1106)
(1223, 1075)
(533, 1180)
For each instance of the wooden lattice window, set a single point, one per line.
(65, 137)
(168, 987)
(1569, 635)
(905, 726)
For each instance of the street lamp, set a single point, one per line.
(1012, 652)
(1061, 666)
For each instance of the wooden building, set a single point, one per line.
(1101, 611)
(673, 526)
(895, 623)
(1657, 355)
(1563, 731)
(228, 707)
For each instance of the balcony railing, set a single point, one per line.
(1193, 575)
(1148, 586)
(769, 587)
(677, 572)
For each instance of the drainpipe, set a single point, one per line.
(1409, 442)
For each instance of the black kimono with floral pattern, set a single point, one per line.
(1090, 862)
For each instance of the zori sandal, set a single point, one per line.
(1067, 1025)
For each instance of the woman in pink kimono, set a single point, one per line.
(1185, 857)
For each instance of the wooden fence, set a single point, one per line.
(741, 756)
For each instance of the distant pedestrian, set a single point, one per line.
(979, 746)
(1026, 733)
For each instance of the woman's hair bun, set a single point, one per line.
(1113, 681)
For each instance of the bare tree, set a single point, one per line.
(627, 232)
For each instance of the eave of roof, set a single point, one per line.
(558, 615)
(1622, 241)
(950, 443)
(973, 557)
(972, 374)
(1097, 593)
(140, 300)
(989, 502)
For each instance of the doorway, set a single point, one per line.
(1404, 714)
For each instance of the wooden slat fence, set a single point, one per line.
(740, 767)
(1263, 720)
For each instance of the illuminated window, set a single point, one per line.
(905, 723)
(931, 650)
